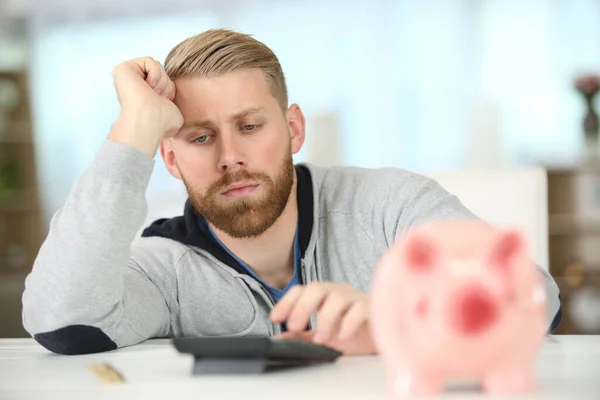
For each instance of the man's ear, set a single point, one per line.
(296, 127)
(168, 155)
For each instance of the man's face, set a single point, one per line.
(234, 152)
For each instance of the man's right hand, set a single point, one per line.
(148, 113)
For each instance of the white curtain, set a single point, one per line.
(417, 84)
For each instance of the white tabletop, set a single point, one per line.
(567, 367)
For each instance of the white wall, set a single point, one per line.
(427, 85)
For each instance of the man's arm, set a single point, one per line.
(432, 202)
(85, 294)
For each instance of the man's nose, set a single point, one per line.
(231, 156)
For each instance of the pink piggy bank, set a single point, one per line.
(456, 300)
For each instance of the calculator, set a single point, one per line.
(248, 355)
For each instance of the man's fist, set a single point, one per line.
(148, 113)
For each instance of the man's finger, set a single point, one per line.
(353, 320)
(171, 90)
(304, 335)
(151, 68)
(330, 316)
(163, 83)
(309, 302)
(283, 308)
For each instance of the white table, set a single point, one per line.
(568, 367)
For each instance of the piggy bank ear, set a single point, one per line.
(509, 247)
(420, 253)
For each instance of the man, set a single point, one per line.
(264, 247)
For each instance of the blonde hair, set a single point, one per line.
(219, 51)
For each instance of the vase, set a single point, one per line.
(588, 85)
(591, 127)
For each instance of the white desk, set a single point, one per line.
(568, 367)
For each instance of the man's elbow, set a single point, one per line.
(75, 340)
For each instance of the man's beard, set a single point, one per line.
(245, 217)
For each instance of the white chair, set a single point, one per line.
(505, 198)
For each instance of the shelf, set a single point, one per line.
(26, 200)
(12, 281)
(577, 167)
(568, 224)
(18, 132)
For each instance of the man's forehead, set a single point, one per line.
(223, 92)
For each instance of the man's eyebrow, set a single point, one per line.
(198, 124)
(246, 112)
(239, 115)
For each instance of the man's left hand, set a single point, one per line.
(342, 316)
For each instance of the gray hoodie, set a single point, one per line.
(95, 286)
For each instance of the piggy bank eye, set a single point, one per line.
(422, 308)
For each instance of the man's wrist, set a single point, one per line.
(136, 133)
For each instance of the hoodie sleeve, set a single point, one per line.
(432, 202)
(84, 293)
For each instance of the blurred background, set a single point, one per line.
(418, 84)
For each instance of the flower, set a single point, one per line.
(588, 84)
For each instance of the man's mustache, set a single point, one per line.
(235, 177)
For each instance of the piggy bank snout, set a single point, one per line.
(473, 311)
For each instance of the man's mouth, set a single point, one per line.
(239, 189)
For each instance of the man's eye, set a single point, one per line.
(250, 128)
(202, 138)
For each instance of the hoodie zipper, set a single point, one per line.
(302, 272)
(303, 281)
